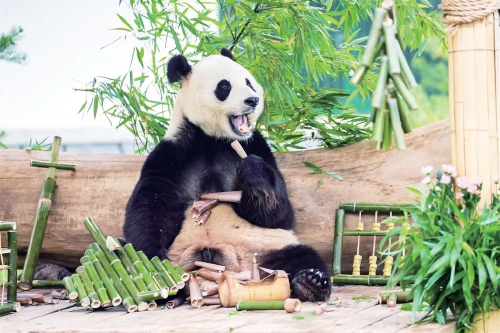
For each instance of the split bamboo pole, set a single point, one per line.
(12, 244)
(474, 92)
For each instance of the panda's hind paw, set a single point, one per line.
(311, 285)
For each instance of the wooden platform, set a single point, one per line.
(351, 309)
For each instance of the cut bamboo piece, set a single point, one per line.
(60, 166)
(194, 292)
(255, 268)
(211, 301)
(152, 295)
(134, 274)
(236, 145)
(47, 284)
(366, 280)
(289, 305)
(231, 196)
(82, 294)
(210, 266)
(139, 266)
(182, 273)
(10, 307)
(176, 302)
(108, 285)
(6, 226)
(209, 274)
(164, 274)
(173, 273)
(400, 296)
(203, 218)
(202, 206)
(210, 290)
(70, 288)
(391, 48)
(12, 274)
(96, 281)
(373, 37)
(89, 288)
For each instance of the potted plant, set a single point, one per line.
(450, 254)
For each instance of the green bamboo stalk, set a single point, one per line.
(60, 166)
(139, 266)
(147, 263)
(40, 224)
(47, 284)
(290, 305)
(123, 290)
(106, 281)
(164, 274)
(89, 288)
(173, 273)
(373, 38)
(151, 295)
(12, 244)
(403, 114)
(366, 280)
(356, 207)
(157, 277)
(378, 97)
(402, 296)
(82, 294)
(387, 140)
(338, 240)
(364, 233)
(403, 90)
(70, 287)
(96, 281)
(358, 75)
(391, 48)
(7, 226)
(96, 234)
(129, 266)
(396, 123)
(405, 68)
(10, 307)
(378, 126)
(182, 273)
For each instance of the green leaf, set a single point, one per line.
(82, 107)
(314, 168)
(125, 21)
(334, 175)
(96, 104)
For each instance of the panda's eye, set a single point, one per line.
(223, 89)
(249, 84)
(224, 84)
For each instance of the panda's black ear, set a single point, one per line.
(177, 68)
(226, 53)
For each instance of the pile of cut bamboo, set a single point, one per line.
(10, 267)
(110, 277)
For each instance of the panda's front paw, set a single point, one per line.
(253, 173)
(311, 285)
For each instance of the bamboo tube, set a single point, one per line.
(47, 284)
(60, 166)
(194, 292)
(319, 309)
(7, 226)
(356, 207)
(392, 300)
(164, 274)
(139, 266)
(289, 305)
(112, 244)
(98, 236)
(82, 294)
(403, 90)
(70, 288)
(338, 240)
(126, 288)
(210, 266)
(40, 223)
(108, 285)
(145, 260)
(403, 114)
(373, 37)
(182, 273)
(173, 273)
(157, 277)
(387, 140)
(129, 266)
(203, 218)
(210, 290)
(255, 268)
(236, 145)
(380, 90)
(396, 123)
(366, 280)
(209, 274)
(12, 275)
(25, 301)
(176, 302)
(211, 301)
(151, 295)
(400, 296)
(89, 288)
(96, 281)
(202, 206)
(358, 75)
(10, 307)
(231, 196)
(405, 68)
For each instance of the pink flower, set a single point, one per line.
(463, 182)
(426, 180)
(449, 170)
(459, 196)
(445, 179)
(496, 179)
(472, 189)
(426, 170)
(475, 181)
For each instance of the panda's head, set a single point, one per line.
(217, 94)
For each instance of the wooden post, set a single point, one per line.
(474, 92)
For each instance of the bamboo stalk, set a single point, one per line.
(129, 266)
(126, 287)
(108, 285)
(97, 235)
(255, 268)
(60, 166)
(290, 305)
(391, 48)
(367, 280)
(176, 302)
(210, 266)
(7, 226)
(12, 275)
(182, 273)
(396, 123)
(356, 207)
(70, 287)
(195, 292)
(378, 95)
(173, 273)
(210, 290)
(373, 37)
(202, 206)
(365, 233)
(113, 244)
(403, 90)
(10, 307)
(231, 196)
(387, 135)
(338, 240)
(40, 223)
(151, 295)
(358, 75)
(402, 296)
(157, 277)
(82, 294)
(209, 275)
(89, 288)
(47, 284)
(164, 274)
(96, 281)
(211, 300)
(403, 114)
(236, 145)
(392, 300)
(139, 266)
(405, 68)
(147, 263)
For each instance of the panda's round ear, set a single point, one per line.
(226, 53)
(177, 68)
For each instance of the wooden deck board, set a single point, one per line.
(345, 314)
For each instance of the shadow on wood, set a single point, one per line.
(103, 184)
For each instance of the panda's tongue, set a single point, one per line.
(241, 122)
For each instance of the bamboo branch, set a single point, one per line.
(7, 226)
(289, 305)
(12, 244)
(60, 166)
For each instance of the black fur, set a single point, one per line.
(177, 68)
(226, 53)
(222, 90)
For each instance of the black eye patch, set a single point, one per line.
(223, 89)
(249, 84)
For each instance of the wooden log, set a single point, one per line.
(108, 180)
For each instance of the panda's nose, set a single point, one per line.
(252, 101)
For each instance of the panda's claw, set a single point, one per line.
(311, 285)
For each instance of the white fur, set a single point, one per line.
(197, 102)
(233, 236)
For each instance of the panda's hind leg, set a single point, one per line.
(308, 274)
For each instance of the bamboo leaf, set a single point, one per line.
(334, 175)
(314, 168)
(96, 101)
(125, 22)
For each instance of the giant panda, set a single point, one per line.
(216, 100)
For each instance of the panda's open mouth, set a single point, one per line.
(240, 124)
